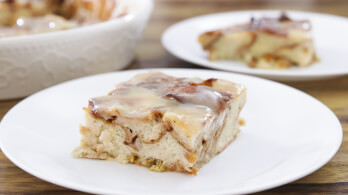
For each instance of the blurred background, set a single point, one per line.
(168, 12)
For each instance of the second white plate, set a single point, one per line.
(329, 32)
(288, 135)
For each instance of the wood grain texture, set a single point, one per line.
(330, 179)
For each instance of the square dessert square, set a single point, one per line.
(269, 43)
(162, 122)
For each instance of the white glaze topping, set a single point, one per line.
(151, 92)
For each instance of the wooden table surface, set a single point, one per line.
(330, 179)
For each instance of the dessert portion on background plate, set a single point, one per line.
(269, 43)
(21, 17)
(162, 122)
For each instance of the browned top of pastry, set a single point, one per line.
(156, 91)
(277, 26)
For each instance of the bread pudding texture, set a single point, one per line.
(269, 43)
(21, 17)
(162, 122)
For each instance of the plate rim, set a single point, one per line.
(84, 188)
(298, 76)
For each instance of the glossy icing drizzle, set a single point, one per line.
(277, 26)
(151, 92)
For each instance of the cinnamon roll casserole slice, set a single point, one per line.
(269, 43)
(162, 122)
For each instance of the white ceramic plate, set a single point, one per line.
(288, 135)
(329, 32)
